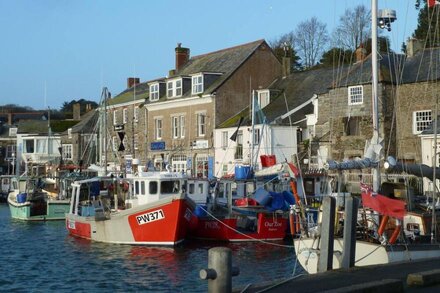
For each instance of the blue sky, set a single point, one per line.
(54, 51)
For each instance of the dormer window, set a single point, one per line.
(174, 88)
(154, 92)
(197, 84)
(263, 98)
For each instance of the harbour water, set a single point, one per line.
(42, 257)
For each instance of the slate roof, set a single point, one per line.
(298, 88)
(360, 72)
(224, 61)
(129, 94)
(423, 66)
(40, 127)
(87, 123)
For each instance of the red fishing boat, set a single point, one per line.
(151, 208)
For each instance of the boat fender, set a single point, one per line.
(396, 232)
(292, 222)
(383, 224)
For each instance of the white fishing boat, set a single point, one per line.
(149, 208)
(392, 227)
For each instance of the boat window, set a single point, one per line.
(413, 227)
(169, 186)
(191, 188)
(136, 187)
(200, 188)
(153, 187)
(221, 190)
(143, 187)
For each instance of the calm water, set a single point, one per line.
(41, 257)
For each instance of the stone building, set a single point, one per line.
(170, 120)
(417, 97)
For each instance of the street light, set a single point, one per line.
(13, 163)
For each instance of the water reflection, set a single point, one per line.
(55, 261)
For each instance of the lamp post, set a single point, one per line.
(13, 163)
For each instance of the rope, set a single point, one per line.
(243, 234)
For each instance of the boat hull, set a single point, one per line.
(269, 227)
(162, 223)
(43, 211)
(307, 252)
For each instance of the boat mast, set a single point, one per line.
(374, 98)
(434, 179)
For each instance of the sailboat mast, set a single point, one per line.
(434, 179)
(253, 128)
(374, 98)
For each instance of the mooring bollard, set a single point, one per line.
(220, 271)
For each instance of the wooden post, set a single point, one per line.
(220, 271)
(325, 262)
(349, 247)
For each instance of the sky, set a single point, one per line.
(55, 51)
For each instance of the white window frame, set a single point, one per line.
(178, 162)
(154, 92)
(67, 151)
(158, 128)
(355, 95)
(115, 117)
(182, 126)
(257, 136)
(263, 98)
(174, 88)
(197, 84)
(201, 127)
(175, 122)
(201, 162)
(421, 120)
(225, 139)
(124, 116)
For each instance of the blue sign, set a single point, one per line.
(210, 167)
(159, 145)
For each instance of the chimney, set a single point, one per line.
(9, 119)
(76, 111)
(88, 107)
(131, 81)
(286, 66)
(360, 53)
(182, 56)
(412, 47)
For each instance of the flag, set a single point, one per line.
(382, 204)
(234, 135)
(121, 145)
(432, 3)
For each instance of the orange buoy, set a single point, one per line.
(383, 225)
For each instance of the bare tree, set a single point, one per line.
(283, 46)
(311, 39)
(354, 28)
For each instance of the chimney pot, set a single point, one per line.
(182, 56)
(76, 111)
(412, 47)
(131, 81)
(360, 53)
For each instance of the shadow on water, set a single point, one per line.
(41, 257)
